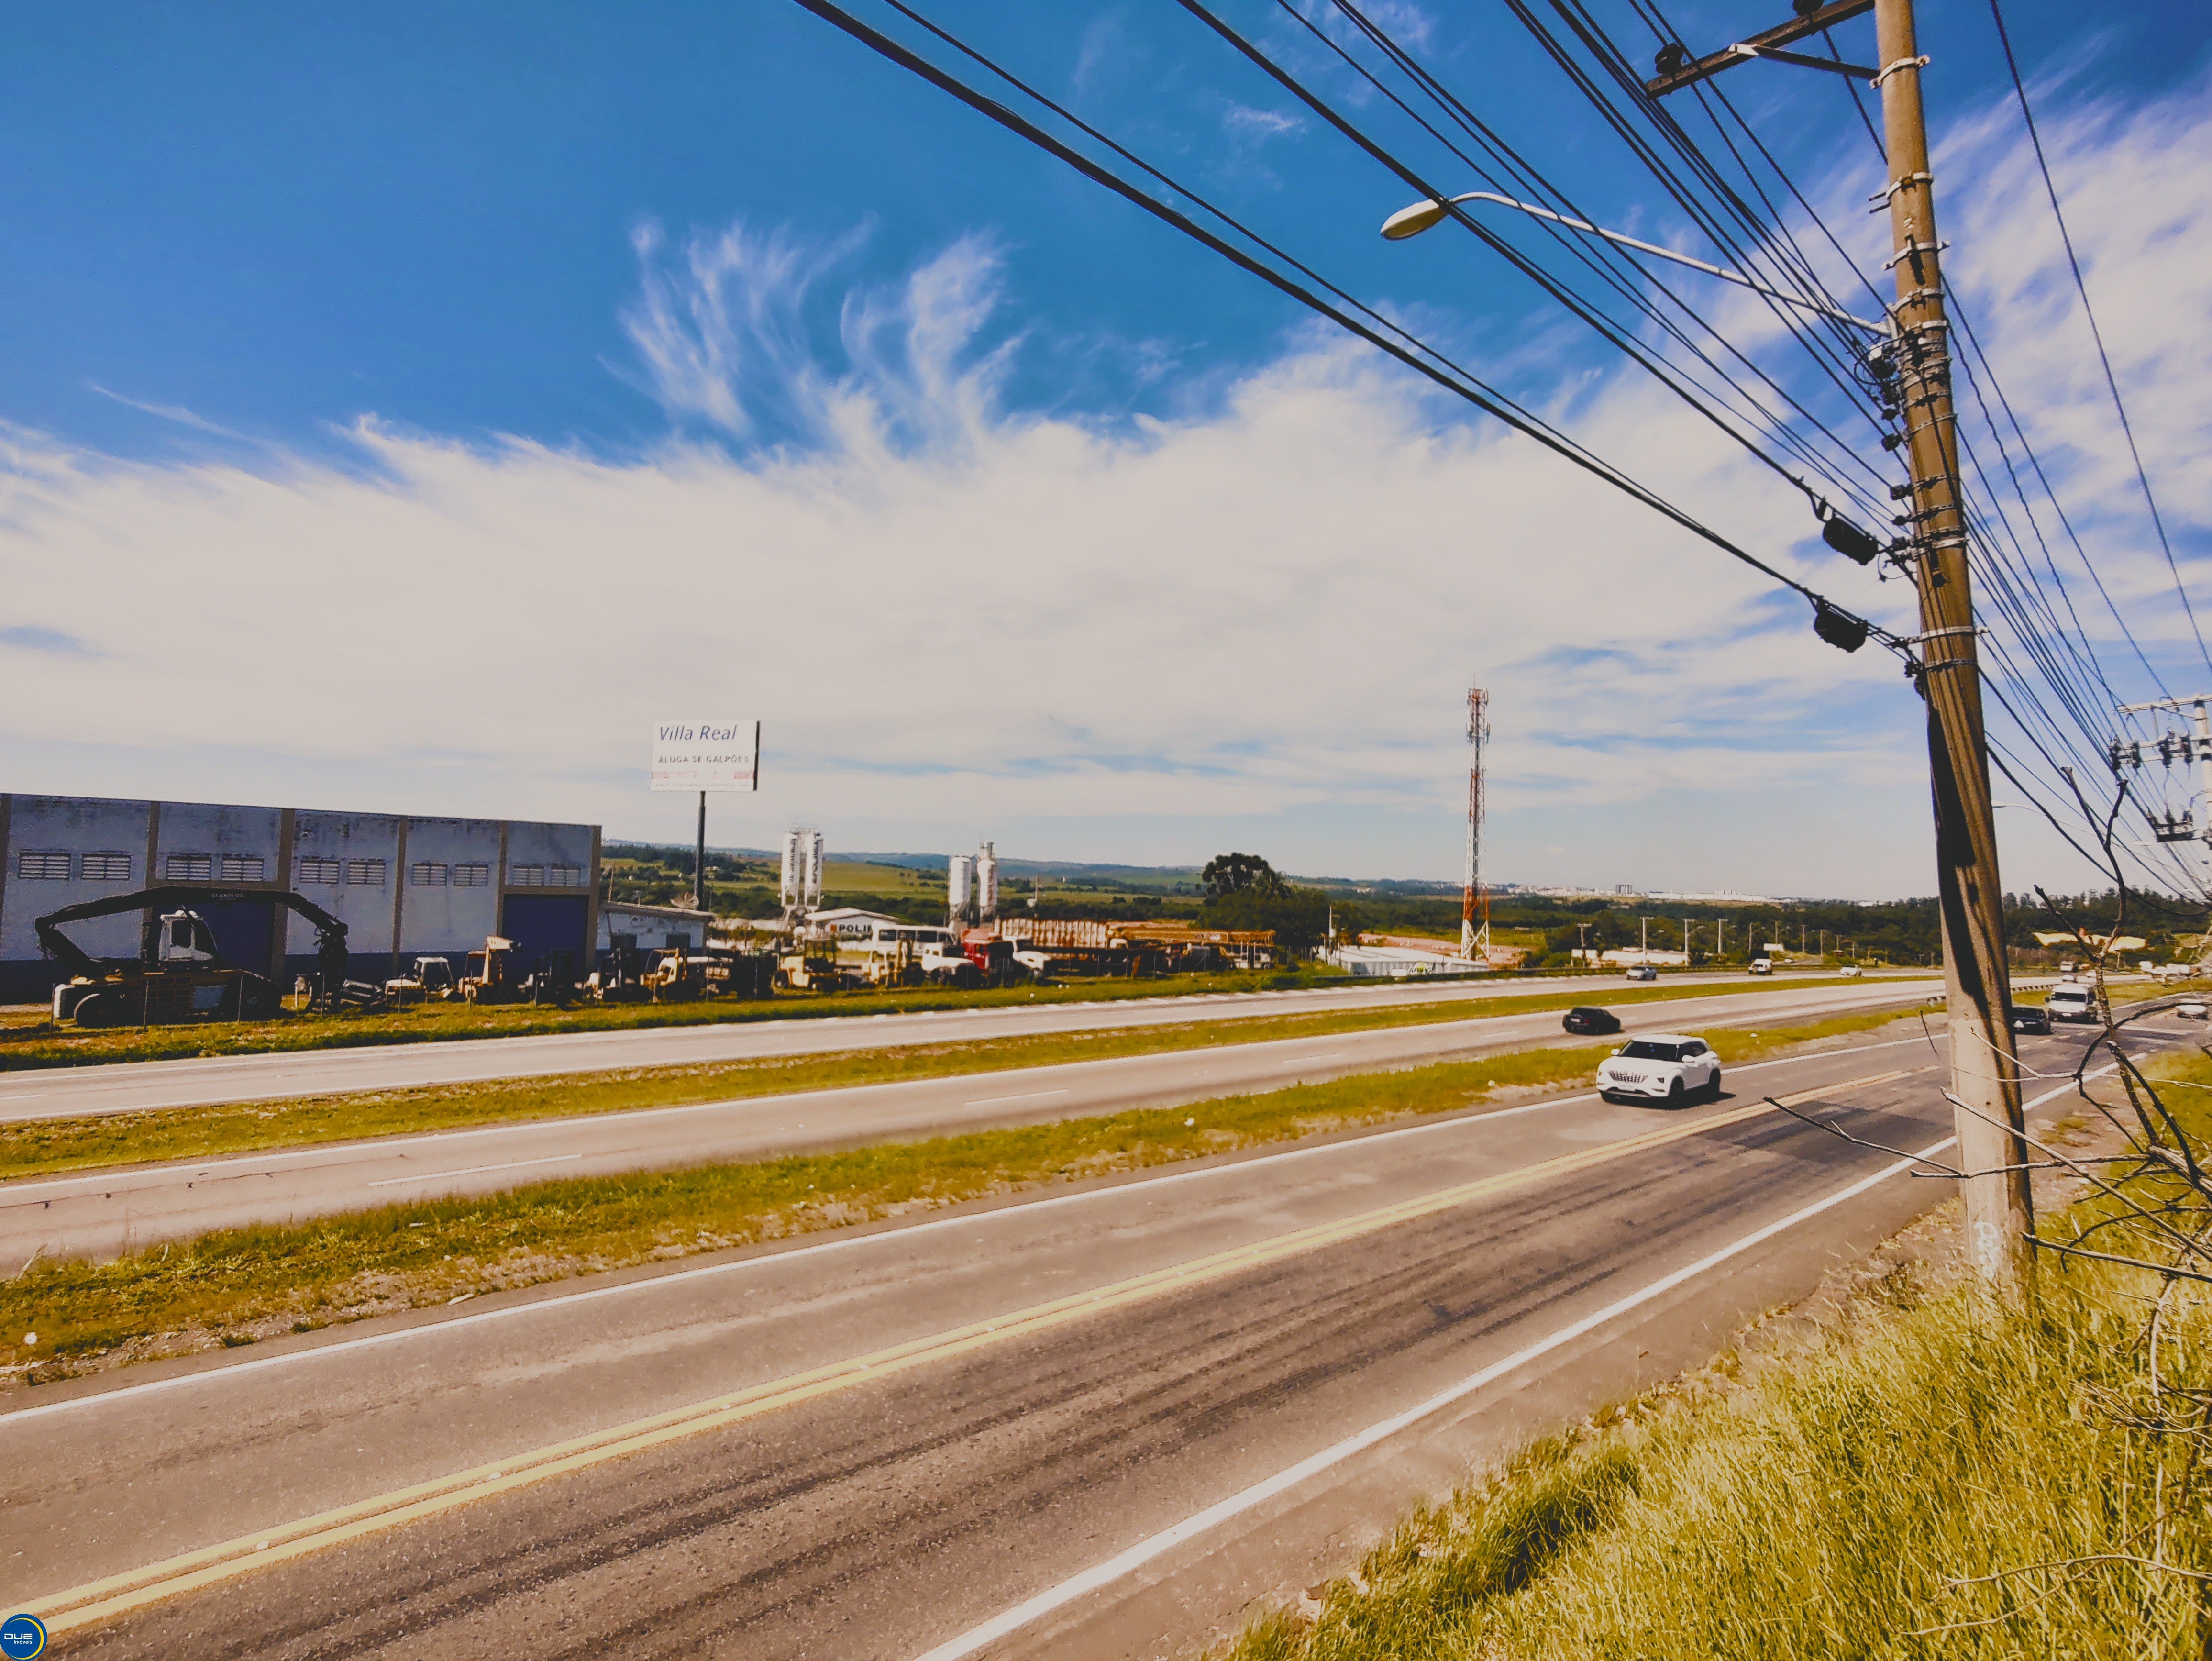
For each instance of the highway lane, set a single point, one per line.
(102, 1213)
(136, 1086)
(893, 1510)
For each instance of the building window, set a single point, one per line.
(425, 874)
(43, 864)
(243, 867)
(315, 868)
(188, 867)
(472, 876)
(364, 873)
(564, 876)
(526, 876)
(109, 866)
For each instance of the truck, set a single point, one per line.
(180, 974)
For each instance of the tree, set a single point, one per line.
(1239, 873)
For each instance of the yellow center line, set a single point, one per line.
(104, 1599)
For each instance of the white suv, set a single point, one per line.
(1666, 1065)
(2069, 1001)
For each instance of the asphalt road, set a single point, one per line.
(103, 1213)
(135, 1086)
(1133, 1407)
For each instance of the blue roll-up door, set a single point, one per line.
(538, 924)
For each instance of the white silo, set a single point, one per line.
(794, 871)
(987, 883)
(959, 885)
(813, 869)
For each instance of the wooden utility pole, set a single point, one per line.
(1984, 1069)
(1914, 370)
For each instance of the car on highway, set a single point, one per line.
(1665, 1067)
(1585, 1018)
(1762, 965)
(2031, 1017)
(1642, 971)
(2070, 1001)
(1849, 969)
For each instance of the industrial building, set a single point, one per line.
(404, 885)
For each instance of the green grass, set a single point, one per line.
(239, 1285)
(1891, 1494)
(44, 1147)
(30, 1040)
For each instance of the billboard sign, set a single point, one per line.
(706, 755)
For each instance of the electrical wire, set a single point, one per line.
(2096, 334)
(1427, 362)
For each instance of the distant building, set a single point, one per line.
(1401, 962)
(404, 885)
(653, 928)
(849, 922)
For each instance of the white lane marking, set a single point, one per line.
(1030, 1096)
(1020, 1212)
(473, 1170)
(1113, 1568)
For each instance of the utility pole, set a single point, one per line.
(699, 869)
(1984, 1069)
(2198, 743)
(1914, 373)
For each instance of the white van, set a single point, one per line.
(2071, 1001)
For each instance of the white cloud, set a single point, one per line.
(1245, 124)
(1255, 621)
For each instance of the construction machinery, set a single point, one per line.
(430, 981)
(180, 974)
(495, 974)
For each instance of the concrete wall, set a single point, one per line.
(38, 825)
(401, 884)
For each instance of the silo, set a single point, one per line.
(959, 885)
(987, 883)
(794, 871)
(813, 868)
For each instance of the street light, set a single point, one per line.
(1412, 222)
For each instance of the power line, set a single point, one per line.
(2096, 334)
(1458, 380)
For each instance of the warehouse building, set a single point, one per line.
(403, 886)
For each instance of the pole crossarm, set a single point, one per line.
(1763, 45)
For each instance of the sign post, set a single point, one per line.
(703, 756)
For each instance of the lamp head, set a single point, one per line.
(1412, 222)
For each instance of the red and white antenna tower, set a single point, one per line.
(1474, 906)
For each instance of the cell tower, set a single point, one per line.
(1474, 905)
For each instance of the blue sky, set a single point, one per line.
(294, 297)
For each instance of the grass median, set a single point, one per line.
(243, 1284)
(29, 1041)
(46, 1147)
(1932, 1478)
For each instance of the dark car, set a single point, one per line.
(1586, 1020)
(2027, 1018)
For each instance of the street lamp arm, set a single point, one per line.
(1412, 222)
